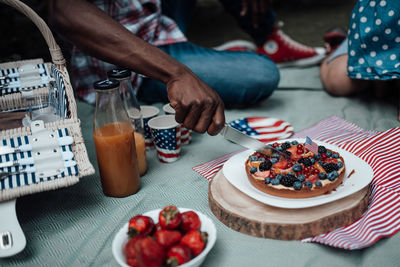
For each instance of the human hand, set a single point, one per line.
(196, 105)
(258, 8)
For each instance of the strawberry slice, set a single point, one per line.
(331, 160)
(282, 164)
(262, 174)
(312, 178)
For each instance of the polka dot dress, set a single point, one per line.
(374, 40)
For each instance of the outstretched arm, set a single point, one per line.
(197, 106)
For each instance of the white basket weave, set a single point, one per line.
(72, 123)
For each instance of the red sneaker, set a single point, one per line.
(237, 45)
(287, 53)
(333, 38)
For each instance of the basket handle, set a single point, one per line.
(55, 51)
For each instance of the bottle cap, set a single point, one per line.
(106, 84)
(119, 74)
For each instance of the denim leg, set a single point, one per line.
(266, 23)
(180, 11)
(240, 78)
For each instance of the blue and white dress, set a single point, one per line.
(374, 40)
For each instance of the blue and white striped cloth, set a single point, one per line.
(44, 74)
(26, 179)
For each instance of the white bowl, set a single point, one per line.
(207, 225)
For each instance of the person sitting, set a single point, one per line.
(369, 57)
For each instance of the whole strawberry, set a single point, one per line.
(195, 240)
(167, 238)
(130, 252)
(149, 253)
(178, 254)
(169, 217)
(140, 224)
(190, 221)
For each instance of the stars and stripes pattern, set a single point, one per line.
(311, 145)
(380, 151)
(263, 129)
(167, 143)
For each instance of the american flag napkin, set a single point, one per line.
(380, 151)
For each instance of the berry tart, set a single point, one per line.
(302, 175)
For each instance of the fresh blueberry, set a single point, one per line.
(253, 158)
(253, 170)
(275, 181)
(335, 156)
(267, 180)
(274, 160)
(340, 164)
(262, 159)
(295, 143)
(322, 176)
(312, 161)
(333, 175)
(297, 167)
(318, 183)
(328, 153)
(308, 184)
(297, 185)
(279, 177)
(279, 148)
(301, 178)
(317, 157)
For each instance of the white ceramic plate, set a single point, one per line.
(207, 225)
(235, 173)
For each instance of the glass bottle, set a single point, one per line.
(115, 146)
(132, 107)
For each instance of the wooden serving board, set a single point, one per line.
(249, 216)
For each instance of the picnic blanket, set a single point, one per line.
(380, 151)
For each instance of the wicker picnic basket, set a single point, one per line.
(70, 122)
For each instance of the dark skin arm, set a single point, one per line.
(197, 106)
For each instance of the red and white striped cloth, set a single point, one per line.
(381, 151)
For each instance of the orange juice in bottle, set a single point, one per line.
(132, 107)
(115, 143)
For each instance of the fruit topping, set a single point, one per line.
(321, 149)
(253, 170)
(318, 183)
(333, 175)
(329, 167)
(297, 185)
(297, 167)
(306, 162)
(288, 180)
(308, 184)
(267, 180)
(322, 176)
(265, 165)
(301, 178)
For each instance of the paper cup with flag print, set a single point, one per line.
(166, 133)
(148, 112)
(186, 134)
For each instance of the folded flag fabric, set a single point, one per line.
(380, 151)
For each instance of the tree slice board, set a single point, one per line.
(249, 216)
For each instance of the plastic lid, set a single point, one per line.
(106, 84)
(119, 73)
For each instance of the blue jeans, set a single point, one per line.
(240, 78)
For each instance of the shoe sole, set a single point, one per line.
(236, 43)
(306, 62)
